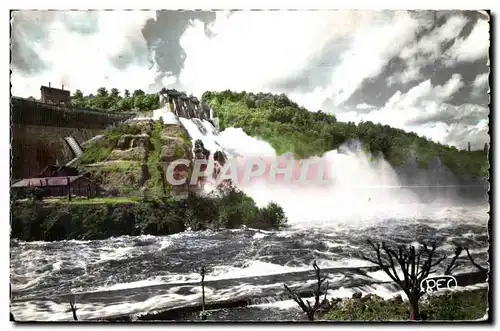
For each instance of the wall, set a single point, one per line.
(34, 147)
(38, 130)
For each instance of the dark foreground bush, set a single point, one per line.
(89, 219)
(449, 306)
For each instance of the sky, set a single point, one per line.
(421, 71)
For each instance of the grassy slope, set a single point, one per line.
(124, 174)
(290, 128)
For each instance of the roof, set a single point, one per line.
(55, 169)
(45, 181)
(43, 87)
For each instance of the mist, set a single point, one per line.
(364, 188)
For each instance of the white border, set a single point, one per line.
(185, 4)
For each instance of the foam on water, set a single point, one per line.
(366, 192)
(365, 189)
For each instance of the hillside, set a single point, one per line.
(291, 128)
(131, 158)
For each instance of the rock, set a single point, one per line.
(357, 295)
(172, 130)
(124, 142)
(173, 149)
(220, 157)
(145, 126)
(141, 141)
(133, 140)
(200, 151)
(131, 154)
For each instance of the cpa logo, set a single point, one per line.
(437, 283)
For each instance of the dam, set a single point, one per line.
(49, 131)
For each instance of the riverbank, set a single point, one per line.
(82, 219)
(447, 306)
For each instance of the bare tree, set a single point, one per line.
(308, 309)
(202, 272)
(474, 262)
(72, 303)
(416, 265)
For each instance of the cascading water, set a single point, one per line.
(364, 188)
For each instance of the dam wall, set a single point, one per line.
(38, 130)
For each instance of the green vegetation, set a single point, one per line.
(155, 168)
(93, 201)
(107, 217)
(114, 102)
(291, 128)
(101, 149)
(447, 306)
(131, 158)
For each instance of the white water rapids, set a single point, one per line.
(133, 275)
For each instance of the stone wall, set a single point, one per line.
(29, 112)
(34, 147)
(38, 130)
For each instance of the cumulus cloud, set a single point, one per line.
(337, 61)
(474, 47)
(427, 49)
(73, 55)
(424, 110)
(481, 85)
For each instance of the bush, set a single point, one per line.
(270, 216)
(35, 193)
(449, 306)
(152, 215)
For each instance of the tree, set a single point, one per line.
(151, 101)
(78, 95)
(115, 93)
(308, 309)
(72, 305)
(102, 91)
(125, 104)
(138, 93)
(416, 265)
(127, 93)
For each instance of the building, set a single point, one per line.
(58, 171)
(55, 96)
(57, 186)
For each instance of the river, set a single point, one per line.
(136, 275)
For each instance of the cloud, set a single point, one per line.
(73, 56)
(250, 50)
(427, 49)
(337, 61)
(363, 106)
(424, 110)
(163, 33)
(474, 47)
(481, 80)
